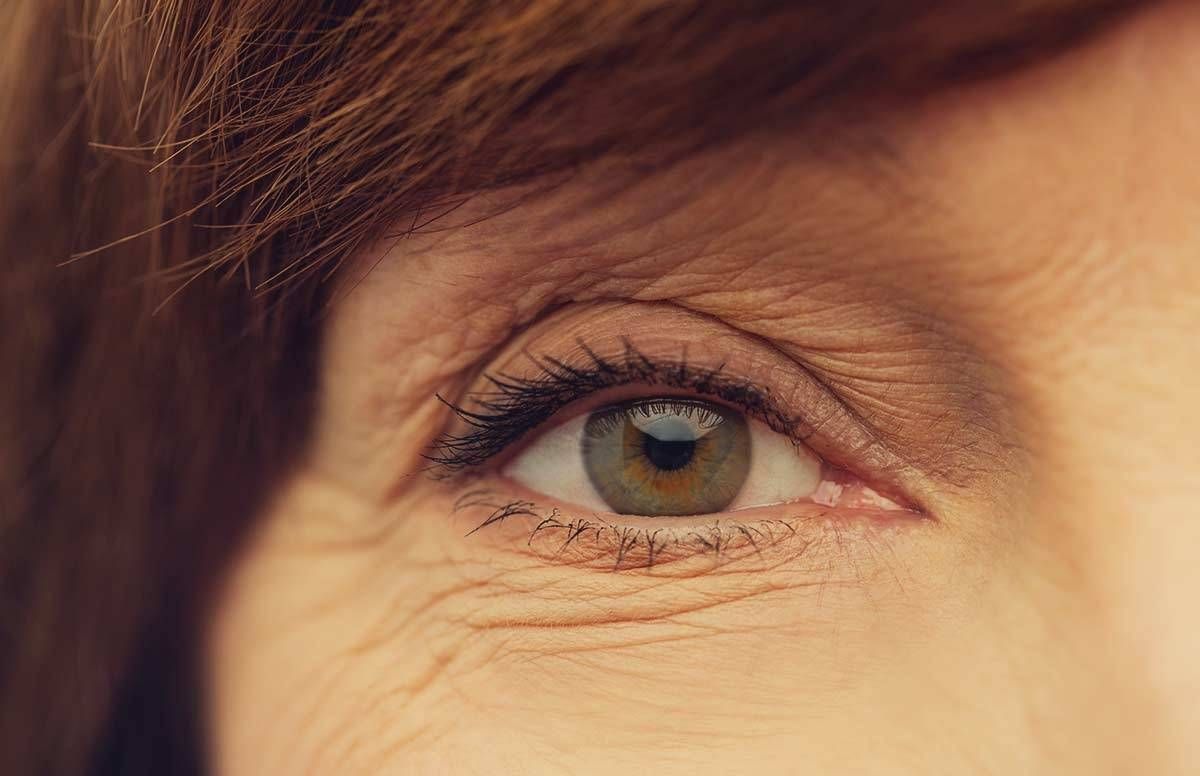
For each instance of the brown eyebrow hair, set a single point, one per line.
(181, 177)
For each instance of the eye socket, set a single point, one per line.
(667, 456)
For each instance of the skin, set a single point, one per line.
(1002, 282)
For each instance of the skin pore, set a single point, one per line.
(985, 303)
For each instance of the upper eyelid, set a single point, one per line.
(599, 401)
(507, 416)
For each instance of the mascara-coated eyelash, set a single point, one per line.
(516, 405)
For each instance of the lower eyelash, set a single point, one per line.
(634, 547)
(594, 541)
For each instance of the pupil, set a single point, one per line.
(666, 454)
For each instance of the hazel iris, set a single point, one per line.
(666, 456)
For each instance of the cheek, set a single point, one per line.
(325, 657)
(355, 641)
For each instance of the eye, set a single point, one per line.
(667, 456)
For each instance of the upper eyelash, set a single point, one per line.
(613, 417)
(517, 405)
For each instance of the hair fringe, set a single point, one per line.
(285, 138)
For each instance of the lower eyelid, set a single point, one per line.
(680, 546)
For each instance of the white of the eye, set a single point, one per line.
(779, 470)
(553, 465)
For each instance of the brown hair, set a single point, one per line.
(179, 180)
